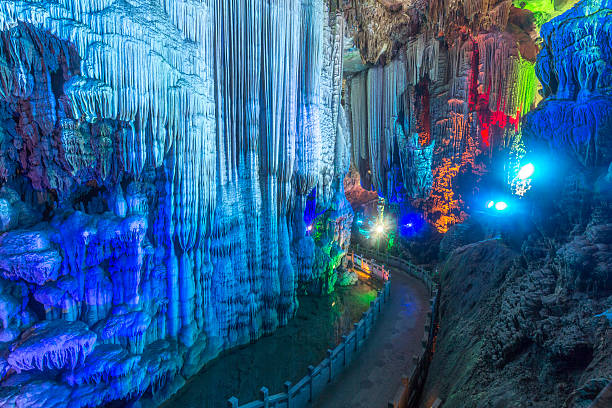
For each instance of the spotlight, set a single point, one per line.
(526, 171)
(490, 204)
(409, 225)
(380, 228)
(501, 206)
(309, 228)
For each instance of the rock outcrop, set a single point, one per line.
(540, 335)
(516, 336)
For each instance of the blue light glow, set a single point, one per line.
(310, 212)
(526, 171)
(501, 206)
(410, 225)
(490, 204)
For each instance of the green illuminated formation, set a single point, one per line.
(544, 10)
(391, 240)
(526, 84)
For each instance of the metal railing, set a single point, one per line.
(398, 264)
(367, 266)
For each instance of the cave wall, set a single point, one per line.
(429, 112)
(525, 317)
(155, 166)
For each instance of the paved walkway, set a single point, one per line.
(374, 377)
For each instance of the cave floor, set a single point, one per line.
(283, 356)
(375, 376)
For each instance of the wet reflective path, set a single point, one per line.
(375, 376)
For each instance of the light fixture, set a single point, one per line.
(309, 228)
(380, 228)
(501, 206)
(526, 171)
(490, 204)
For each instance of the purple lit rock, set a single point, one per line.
(9, 308)
(106, 363)
(52, 344)
(127, 328)
(28, 255)
(36, 393)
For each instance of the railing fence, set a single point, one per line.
(409, 392)
(305, 391)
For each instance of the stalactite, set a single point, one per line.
(52, 344)
(462, 85)
(191, 133)
(376, 102)
(359, 115)
(422, 58)
(573, 68)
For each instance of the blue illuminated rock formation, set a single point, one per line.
(575, 69)
(155, 163)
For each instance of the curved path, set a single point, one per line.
(374, 376)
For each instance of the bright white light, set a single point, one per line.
(526, 171)
(490, 204)
(409, 225)
(380, 228)
(309, 228)
(501, 206)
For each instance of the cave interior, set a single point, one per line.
(175, 175)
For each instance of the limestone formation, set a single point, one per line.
(156, 158)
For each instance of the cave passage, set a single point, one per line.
(374, 378)
(192, 192)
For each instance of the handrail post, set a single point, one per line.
(331, 361)
(310, 375)
(344, 345)
(232, 402)
(263, 394)
(287, 385)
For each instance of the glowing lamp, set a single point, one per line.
(501, 206)
(490, 204)
(309, 228)
(380, 228)
(409, 225)
(526, 171)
